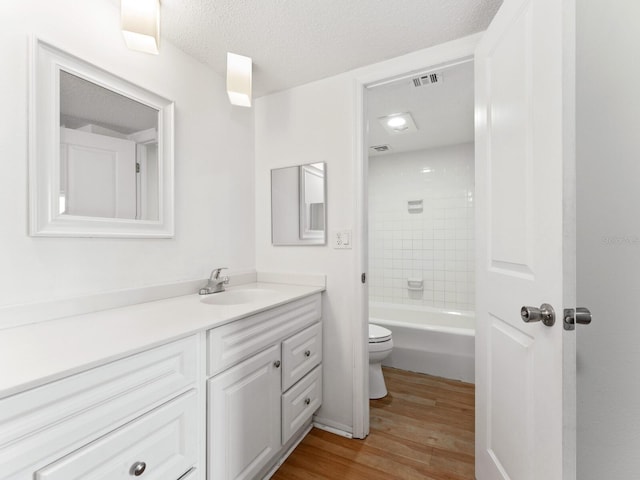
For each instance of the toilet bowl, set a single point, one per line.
(380, 346)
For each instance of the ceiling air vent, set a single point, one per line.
(428, 79)
(381, 148)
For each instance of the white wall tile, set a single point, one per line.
(435, 245)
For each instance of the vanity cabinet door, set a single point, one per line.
(244, 417)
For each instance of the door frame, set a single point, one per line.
(375, 75)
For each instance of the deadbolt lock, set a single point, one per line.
(580, 315)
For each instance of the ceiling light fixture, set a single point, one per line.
(398, 123)
(239, 78)
(141, 25)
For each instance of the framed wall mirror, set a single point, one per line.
(101, 152)
(298, 205)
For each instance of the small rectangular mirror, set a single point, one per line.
(102, 156)
(298, 205)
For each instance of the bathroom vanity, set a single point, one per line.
(217, 387)
(264, 385)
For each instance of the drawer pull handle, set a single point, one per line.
(276, 364)
(307, 401)
(307, 353)
(138, 469)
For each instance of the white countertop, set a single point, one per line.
(35, 354)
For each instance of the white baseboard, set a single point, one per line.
(332, 427)
(287, 453)
(342, 431)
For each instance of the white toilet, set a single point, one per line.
(380, 346)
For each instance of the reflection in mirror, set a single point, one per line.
(101, 152)
(298, 205)
(108, 153)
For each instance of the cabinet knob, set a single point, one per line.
(276, 364)
(307, 353)
(138, 469)
(307, 401)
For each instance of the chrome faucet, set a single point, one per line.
(216, 283)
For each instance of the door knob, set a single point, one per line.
(580, 315)
(545, 313)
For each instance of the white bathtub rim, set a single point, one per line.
(469, 332)
(421, 308)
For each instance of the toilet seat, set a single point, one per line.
(378, 334)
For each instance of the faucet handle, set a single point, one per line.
(216, 271)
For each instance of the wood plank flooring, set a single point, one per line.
(424, 429)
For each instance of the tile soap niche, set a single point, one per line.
(414, 206)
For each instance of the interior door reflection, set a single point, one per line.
(108, 153)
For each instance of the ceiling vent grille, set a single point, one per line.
(381, 148)
(428, 79)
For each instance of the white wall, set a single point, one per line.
(608, 202)
(435, 244)
(310, 124)
(213, 163)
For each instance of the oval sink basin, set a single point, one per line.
(238, 297)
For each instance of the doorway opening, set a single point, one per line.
(420, 216)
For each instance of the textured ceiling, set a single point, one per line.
(83, 102)
(293, 42)
(443, 112)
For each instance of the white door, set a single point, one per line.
(244, 417)
(98, 174)
(525, 372)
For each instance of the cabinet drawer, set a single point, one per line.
(162, 443)
(300, 354)
(232, 343)
(45, 423)
(300, 403)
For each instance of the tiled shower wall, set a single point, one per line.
(435, 245)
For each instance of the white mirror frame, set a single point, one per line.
(44, 151)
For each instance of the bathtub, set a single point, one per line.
(428, 340)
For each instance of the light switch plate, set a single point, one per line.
(342, 239)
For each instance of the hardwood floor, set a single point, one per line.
(424, 429)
